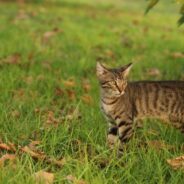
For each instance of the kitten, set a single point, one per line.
(124, 102)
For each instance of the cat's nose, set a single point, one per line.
(120, 86)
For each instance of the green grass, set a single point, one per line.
(113, 33)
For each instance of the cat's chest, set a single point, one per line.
(107, 109)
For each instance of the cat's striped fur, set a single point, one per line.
(124, 102)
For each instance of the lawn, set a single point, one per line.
(50, 94)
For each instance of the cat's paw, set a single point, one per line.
(112, 141)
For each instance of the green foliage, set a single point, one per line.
(152, 3)
(43, 46)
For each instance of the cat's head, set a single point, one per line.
(113, 81)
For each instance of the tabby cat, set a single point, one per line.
(124, 102)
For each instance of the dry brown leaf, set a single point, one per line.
(176, 163)
(135, 22)
(51, 120)
(71, 94)
(59, 92)
(87, 99)
(49, 34)
(46, 65)
(159, 145)
(32, 145)
(12, 147)
(152, 132)
(4, 158)
(86, 85)
(40, 77)
(37, 110)
(153, 72)
(74, 180)
(177, 55)
(6, 147)
(69, 83)
(15, 114)
(127, 41)
(28, 80)
(73, 113)
(33, 154)
(43, 177)
(22, 15)
(109, 53)
(13, 59)
(59, 163)
(19, 93)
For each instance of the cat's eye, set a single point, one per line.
(113, 82)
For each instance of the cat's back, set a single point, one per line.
(157, 86)
(164, 84)
(158, 98)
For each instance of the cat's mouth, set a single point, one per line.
(120, 93)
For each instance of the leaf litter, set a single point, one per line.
(7, 157)
(176, 163)
(74, 180)
(33, 152)
(49, 34)
(43, 177)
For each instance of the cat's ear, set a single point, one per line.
(101, 70)
(125, 70)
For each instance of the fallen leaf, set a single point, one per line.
(15, 114)
(12, 59)
(28, 79)
(40, 77)
(6, 147)
(46, 65)
(135, 22)
(177, 55)
(59, 163)
(153, 72)
(159, 145)
(43, 177)
(126, 41)
(71, 94)
(70, 83)
(18, 94)
(33, 154)
(12, 147)
(59, 92)
(86, 85)
(22, 15)
(151, 132)
(49, 34)
(176, 163)
(87, 99)
(32, 150)
(4, 158)
(51, 120)
(109, 53)
(74, 180)
(32, 145)
(145, 29)
(73, 114)
(37, 110)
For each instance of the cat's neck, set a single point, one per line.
(109, 97)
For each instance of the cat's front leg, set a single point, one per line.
(112, 135)
(125, 132)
